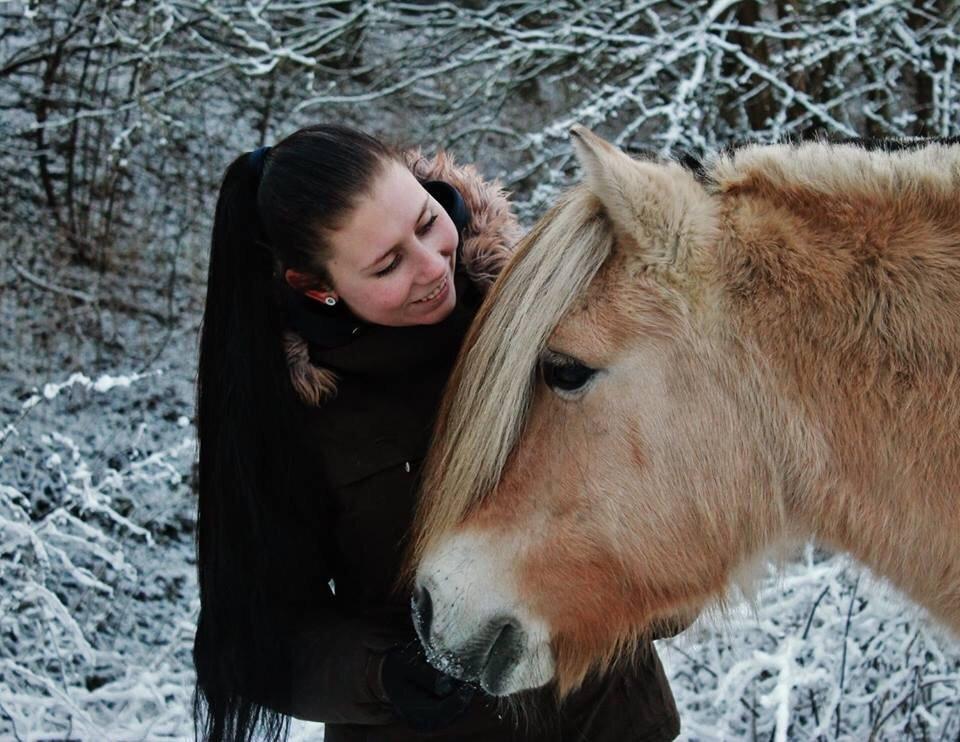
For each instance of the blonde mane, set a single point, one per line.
(841, 169)
(488, 395)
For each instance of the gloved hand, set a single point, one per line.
(424, 697)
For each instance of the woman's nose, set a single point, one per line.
(434, 263)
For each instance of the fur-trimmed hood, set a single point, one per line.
(487, 241)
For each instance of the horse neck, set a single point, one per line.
(848, 305)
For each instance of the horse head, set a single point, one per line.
(627, 428)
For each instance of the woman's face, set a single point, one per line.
(393, 259)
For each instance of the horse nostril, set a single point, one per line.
(422, 606)
(503, 655)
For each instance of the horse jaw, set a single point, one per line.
(474, 606)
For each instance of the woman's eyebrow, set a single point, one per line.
(397, 247)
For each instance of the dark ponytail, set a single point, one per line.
(270, 215)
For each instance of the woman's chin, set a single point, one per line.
(441, 311)
(436, 311)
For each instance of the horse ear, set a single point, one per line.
(659, 209)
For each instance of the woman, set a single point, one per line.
(343, 276)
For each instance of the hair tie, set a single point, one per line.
(256, 159)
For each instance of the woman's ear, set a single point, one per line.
(308, 285)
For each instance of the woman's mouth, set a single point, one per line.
(437, 294)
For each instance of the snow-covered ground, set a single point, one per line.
(98, 597)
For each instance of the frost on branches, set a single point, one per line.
(119, 119)
(97, 587)
(821, 651)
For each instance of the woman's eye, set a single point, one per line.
(428, 226)
(393, 264)
(396, 258)
(565, 374)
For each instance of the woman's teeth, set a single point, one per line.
(433, 294)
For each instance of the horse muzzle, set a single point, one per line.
(473, 626)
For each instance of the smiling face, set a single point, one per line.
(392, 260)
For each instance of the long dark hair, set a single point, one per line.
(273, 211)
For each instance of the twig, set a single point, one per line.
(876, 726)
(813, 610)
(13, 723)
(814, 708)
(843, 661)
(696, 664)
(47, 286)
(86, 298)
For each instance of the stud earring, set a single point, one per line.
(330, 301)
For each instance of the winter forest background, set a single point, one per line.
(119, 119)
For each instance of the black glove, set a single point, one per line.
(422, 696)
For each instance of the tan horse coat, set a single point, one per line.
(777, 351)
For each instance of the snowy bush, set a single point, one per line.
(822, 651)
(97, 589)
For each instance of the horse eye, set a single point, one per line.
(565, 374)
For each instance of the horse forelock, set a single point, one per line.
(488, 396)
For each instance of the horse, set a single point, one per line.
(681, 372)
